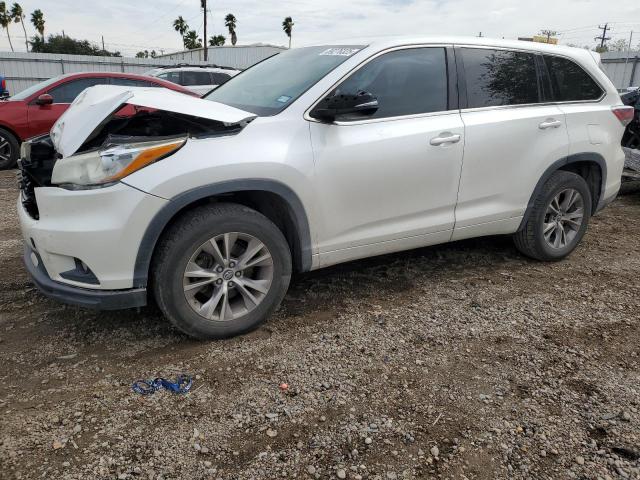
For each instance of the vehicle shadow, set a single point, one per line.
(308, 292)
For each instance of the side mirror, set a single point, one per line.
(335, 105)
(44, 99)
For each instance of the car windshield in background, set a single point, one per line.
(270, 86)
(34, 88)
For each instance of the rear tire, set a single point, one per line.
(558, 219)
(220, 270)
(9, 149)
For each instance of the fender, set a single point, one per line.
(177, 203)
(557, 165)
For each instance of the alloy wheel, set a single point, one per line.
(228, 276)
(5, 150)
(563, 218)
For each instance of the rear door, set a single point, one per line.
(389, 181)
(42, 117)
(589, 121)
(512, 134)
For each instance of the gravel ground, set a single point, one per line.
(457, 361)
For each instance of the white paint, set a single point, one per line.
(367, 188)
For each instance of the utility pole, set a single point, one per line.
(204, 7)
(480, 35)
(103, 43)
(603, 38)
(626, 62)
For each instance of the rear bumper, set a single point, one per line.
(97, 299)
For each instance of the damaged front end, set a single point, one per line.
(631, 137)
(110, 132)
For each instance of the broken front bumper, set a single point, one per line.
(99, 299)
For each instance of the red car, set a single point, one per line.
(34, 110)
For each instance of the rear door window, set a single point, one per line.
(405, 82)
(195, 78)
(499, 77)
(67, 92)
(569, 81)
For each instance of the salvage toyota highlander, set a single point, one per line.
(313, 157)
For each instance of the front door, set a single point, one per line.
(389, 181)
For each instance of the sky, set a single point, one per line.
(129, 26)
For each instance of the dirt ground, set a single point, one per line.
(457, 361)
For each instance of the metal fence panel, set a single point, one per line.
(622, 68)
(22, 69)
(240, 56)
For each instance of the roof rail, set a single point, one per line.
(210, 65)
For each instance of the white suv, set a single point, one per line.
(316, 156)
(200, 80)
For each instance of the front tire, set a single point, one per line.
(558, 219)
(220, 270)
(9, 149)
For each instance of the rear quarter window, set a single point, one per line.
(219, 78)
(570, 82)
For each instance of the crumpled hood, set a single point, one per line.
(97, 103)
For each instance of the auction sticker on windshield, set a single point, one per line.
(340, 51)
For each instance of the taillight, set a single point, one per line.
(624, 114)
(4, 84)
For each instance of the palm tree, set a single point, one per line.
(5, 21)
(180, 26)
(18, 17)
(37, 20)
(191, 40)
(287, 26)
(217, 41)
(230, 22)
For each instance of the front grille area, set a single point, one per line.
(27, 191)
(35, 167)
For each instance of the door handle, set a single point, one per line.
(443, 140)
(550, 123)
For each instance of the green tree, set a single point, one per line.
(37, 20)
(5, 21)
(180, 26)
(60, 44)
(287, 26)
(191, 40)
(620, 45)
(140, 55)
(18, 16)
(217, 41)
(230, 22)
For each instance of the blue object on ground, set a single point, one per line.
(147, 387)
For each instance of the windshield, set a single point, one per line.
(34, 88)
(270, 86)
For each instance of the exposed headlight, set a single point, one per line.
(111, 163)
